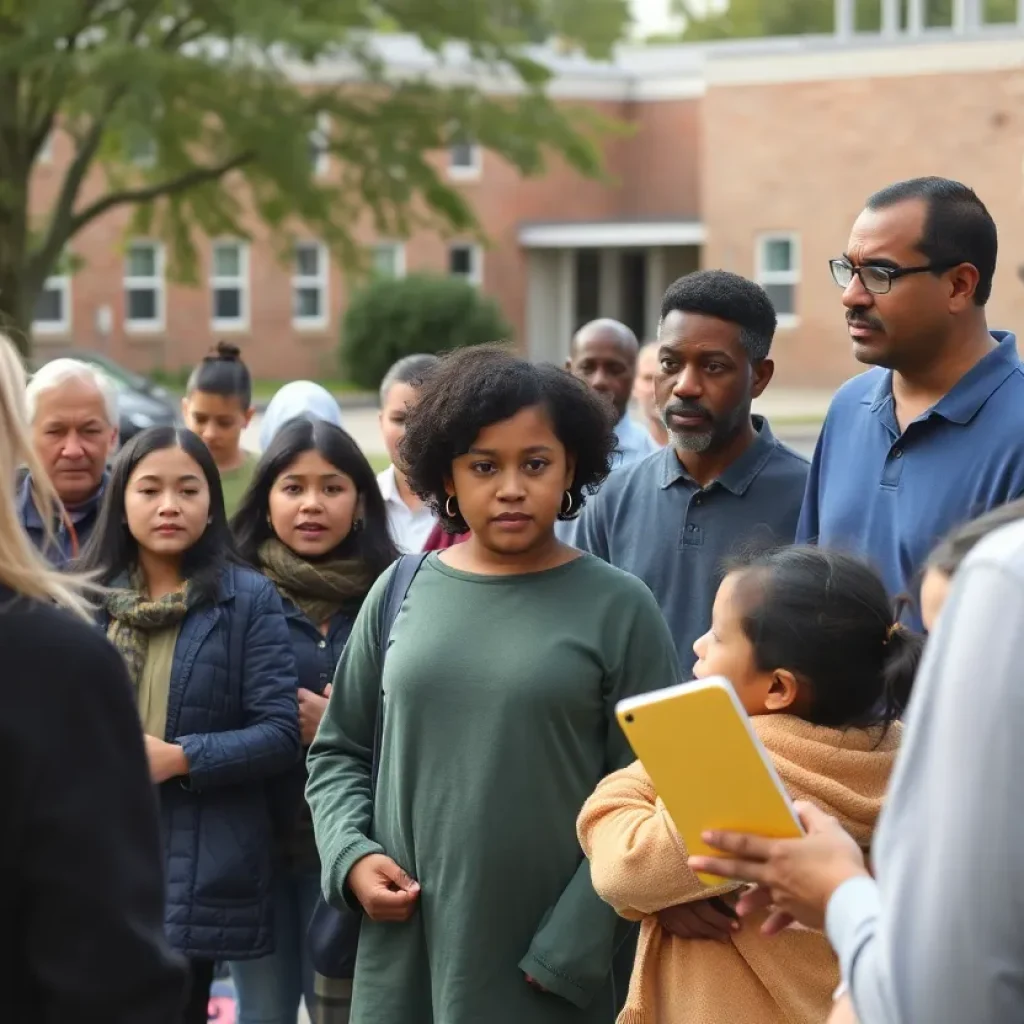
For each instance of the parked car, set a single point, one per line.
(141, 402)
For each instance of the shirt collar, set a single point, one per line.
(736, 477)
(961, 403)
(30, 514)
(388, 484)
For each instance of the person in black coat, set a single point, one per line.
(81, 906)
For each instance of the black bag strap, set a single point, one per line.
(394, 596)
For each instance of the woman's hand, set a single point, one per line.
(795, 876)
(166, 760)
(311, 710)
(383, 889)
(842, 1012)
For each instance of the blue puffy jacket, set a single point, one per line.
(233, 709)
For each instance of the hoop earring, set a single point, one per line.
(448, 507)
(568, 498)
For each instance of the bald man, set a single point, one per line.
(643, 393)
(603, 355)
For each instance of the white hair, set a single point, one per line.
(60, 371)
(22, 568)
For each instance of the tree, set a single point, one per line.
(749, 19)
(212, 93)
(390, 319)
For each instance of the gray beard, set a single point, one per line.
(689, 441)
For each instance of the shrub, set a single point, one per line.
(392, 318)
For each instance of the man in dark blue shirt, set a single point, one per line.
(934, 434)
(724, 483)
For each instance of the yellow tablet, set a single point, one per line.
(707, 763)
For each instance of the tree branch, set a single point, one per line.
(159, 190)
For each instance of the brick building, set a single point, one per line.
(752, 156)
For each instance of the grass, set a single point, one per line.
(379, 462)
(264, 390)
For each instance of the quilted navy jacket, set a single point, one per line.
(233, 709)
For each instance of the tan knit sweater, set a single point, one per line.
(638, 865)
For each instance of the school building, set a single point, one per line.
(752, 156)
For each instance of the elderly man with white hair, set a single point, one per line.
(72, 410)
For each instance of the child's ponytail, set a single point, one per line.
(903, 650)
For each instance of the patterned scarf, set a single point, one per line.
(319, 589)
(133, 616)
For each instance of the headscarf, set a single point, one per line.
(299, 398)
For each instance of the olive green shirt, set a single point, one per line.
(500, 694)
(236, 481)
(155, 685)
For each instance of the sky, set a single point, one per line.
(652, 16)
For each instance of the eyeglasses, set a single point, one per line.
(878, 280)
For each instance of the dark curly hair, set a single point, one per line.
(726, 296)
(472, 388)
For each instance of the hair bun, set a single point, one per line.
(226, 352)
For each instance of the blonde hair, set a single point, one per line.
(22, 568)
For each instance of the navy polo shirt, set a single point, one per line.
(653, 520)
(891, 495)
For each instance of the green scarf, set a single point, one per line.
(133, 616)
(318, 589)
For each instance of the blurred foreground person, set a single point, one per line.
(81, 913)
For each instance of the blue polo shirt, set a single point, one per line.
(655, 521)
(63, 547)
(891, 495)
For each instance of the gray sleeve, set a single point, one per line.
(942, 939)
(591, 530)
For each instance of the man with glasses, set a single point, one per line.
(934, 434)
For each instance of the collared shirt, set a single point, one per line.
(653, 520)
(936, 937)
(633, 442)
(890, 495)
(409, 528)
(83, 518)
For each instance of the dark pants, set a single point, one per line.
(197, 1009)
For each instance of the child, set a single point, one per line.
(314, 523)
(809, 641)
(208, 652)
(218, 407)
(504, 667)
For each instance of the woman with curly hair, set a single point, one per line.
(504, 668)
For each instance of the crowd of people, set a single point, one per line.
(353, 736)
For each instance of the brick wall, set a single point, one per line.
(803, 156)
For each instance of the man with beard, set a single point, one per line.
(933, 435)
(724, 483)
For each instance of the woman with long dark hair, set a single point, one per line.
(314, 523)
(206, 645)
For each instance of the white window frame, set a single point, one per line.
(790, 277)
(476, 259)
(60, 283)
(465, 172)
(241, 283)
(398, 248)
(157, 283)
(319, 139)
(45, 153)
(320, 281)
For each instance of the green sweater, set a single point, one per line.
(500, 696)
(236, 482)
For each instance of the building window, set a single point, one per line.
(229, 286)
(466, 261)
(52, 314)
(778, 272)
(389, 259)
(144, 287)
(141, 150)
(45, 153)
(319, 145)
(309, 286)
(464, 160)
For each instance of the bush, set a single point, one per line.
(392, 318)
